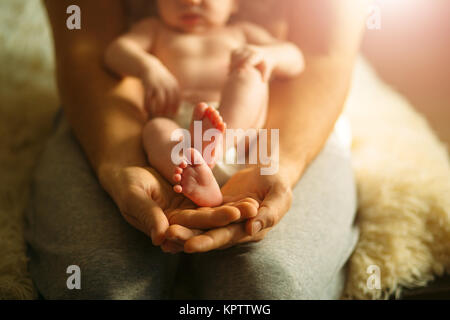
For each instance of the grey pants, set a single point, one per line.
(72, 221)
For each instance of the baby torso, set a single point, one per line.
(200, 62)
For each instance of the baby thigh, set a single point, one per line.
(158, 144)
(303, 257)
(71, 220)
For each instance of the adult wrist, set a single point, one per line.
(291, 170)
(108, 172)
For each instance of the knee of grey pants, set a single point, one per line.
(72, 221)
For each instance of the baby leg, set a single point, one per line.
(244, 104)
(244, 99)
(191, 175)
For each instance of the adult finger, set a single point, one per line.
(247, 197)
(206, 218)
(222, 238)
(171, 247)
(176, 236)
(215, 238)
(248, 207)
(276, 203)
(180, 234)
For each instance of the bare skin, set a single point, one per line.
(107, 116)
(191, 53)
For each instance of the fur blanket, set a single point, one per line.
(402, 170)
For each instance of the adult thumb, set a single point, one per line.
(272, 209)
(157, 223)
(145, 215)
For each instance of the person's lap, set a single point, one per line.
(303, 256)
(72, 221)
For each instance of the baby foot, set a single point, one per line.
(211, 119)
(196, 181)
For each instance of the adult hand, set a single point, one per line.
(141, 196)
(148, 202)
(273, 193)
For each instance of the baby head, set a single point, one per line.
(196, 15)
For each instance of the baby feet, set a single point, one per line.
(194, 178)
(210, 119)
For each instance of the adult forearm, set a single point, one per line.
(105, 115)
(104, 112)
(305, 111)
(329, 34)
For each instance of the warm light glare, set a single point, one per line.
(402, 7)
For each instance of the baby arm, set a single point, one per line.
(129, 55)
(269, 55)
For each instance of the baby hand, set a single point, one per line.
(162, 94)
(253, 56)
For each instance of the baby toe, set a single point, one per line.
(183, 164)
(178, 170)
(177, 177)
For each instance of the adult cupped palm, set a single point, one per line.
(262, 201)
(147, 202)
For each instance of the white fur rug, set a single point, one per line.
(403, 172)
(403, 177)
(27, 100)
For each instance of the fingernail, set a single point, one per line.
(256, 227)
